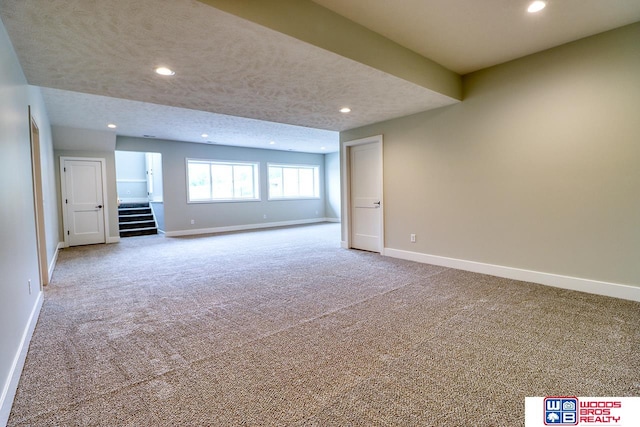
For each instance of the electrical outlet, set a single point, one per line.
(412, 237)
(193, 221)
(264, 216)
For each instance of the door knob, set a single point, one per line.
(99, 207)
(376, 203)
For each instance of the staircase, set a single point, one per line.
(136, 219)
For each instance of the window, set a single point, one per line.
(212, 181)
(294, 182)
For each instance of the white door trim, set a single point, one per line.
(345, 162)
(63, 191)
(38, 200)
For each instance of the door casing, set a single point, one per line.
(63, 190)
(38, 201)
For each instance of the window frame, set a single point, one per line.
(210, 162)
(316, 178)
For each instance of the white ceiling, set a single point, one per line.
(96, 60)
(468, 35)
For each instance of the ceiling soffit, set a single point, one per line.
(224, 64)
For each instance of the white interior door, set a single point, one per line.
(366, 196)
(84, 202)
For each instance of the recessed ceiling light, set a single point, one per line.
(536, 6)
(204, 135)
(111, 126)
(323, 148)
(345, 110)
(272, 143)
(164, 71)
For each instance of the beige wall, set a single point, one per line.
(538, 168)
(319, 26)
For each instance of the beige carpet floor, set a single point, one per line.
(284, 328)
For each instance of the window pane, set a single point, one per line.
(222, 181)
(243, 182)
(199, 181)
(306, 182)
(290, 180)
(275, 181)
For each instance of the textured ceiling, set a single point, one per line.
(99, 57)
(468, 35)
(136, 118)
(223, 64)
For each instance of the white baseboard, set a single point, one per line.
(244, 227)
(54, 260)
(615, 290)
(344, 244)
(107, 240)
(9, 389)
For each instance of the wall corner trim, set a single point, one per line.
(10, 388)
(113, 239)
(614, 290)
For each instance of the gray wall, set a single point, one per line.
(178, 213)
(332, 185)
(131, 175)
(18, 255)
(538, 168)
(72, 142)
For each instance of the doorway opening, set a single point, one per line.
(140, 193)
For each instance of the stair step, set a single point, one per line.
(130, 211)
(133, 205)
(132, 225)
(138, 232)
(136, 217)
